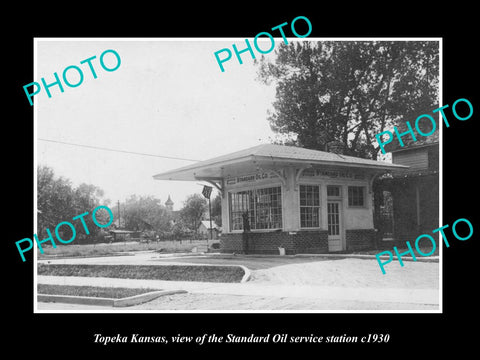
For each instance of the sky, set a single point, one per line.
(168, 97)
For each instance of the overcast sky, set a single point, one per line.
(168, 97)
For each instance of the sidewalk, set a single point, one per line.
(396, 295)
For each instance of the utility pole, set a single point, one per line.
(210, 216)
(118, 203)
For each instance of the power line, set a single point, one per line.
(116, 150)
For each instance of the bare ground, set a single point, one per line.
(352, 272)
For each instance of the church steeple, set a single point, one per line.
(169, 203)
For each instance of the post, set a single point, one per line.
(118, 205)
(210, 216)
(417, 201)
(206, 192)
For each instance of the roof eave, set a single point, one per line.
(198, 166)
(380, 165)
(189, 173)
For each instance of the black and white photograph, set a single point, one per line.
(291, 197)
(288, 183)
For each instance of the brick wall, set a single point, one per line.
(300, 242)
(360, 239)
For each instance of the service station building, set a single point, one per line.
(288, 199)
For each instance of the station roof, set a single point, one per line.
(269, 157)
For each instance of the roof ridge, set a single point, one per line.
(281, 153)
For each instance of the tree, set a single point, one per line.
(58, 201)
(217, 209)
(348, 92)
(145, 213)
(86, 198)
(55, 199)
(180, 230)
(193, 211)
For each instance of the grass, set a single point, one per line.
(229, 274)
(251, 262)
(91, 291)
(402, 249)
(104, 249)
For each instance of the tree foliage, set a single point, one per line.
(217, 209)
(348, 91)
(145, 213)
(193, 211)
(58, 200)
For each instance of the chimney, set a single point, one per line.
(336, 147)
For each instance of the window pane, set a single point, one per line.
(333, 190)
(356, 196)
(264, 207)
(309, 206)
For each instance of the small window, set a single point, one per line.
(356, 196)
(333, 191)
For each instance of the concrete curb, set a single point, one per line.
(83, 300)
(346, 256)
(141, 298)
(60, 257)
(123, 302)
(365, 256)
(247, 275)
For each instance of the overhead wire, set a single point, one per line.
(117, 150)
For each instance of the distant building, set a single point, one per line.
(173, 215)
(204, 229)
(411, 196)
(169, 204)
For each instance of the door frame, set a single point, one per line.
(340, 226)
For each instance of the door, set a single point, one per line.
(334, 226)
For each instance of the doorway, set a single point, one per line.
(334, 226)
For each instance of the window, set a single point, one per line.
(333, 191)
(356, 196)
(239, 203)
(309, 206)
(264, 208)
(333, 214)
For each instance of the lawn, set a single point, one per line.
(401, 250)
(91, 291)
(228, 274)
(105, 249)
(249, 261)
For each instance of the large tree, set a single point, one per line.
(58, 200)
(193, 211)
(145, 213)
(55, 200)
(348, 91)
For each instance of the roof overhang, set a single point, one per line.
(217, 170)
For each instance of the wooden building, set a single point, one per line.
(204, 229)
(296, 199)
(413, 192)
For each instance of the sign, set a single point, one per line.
(207, 190)
(249, 178)
(332, 174)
